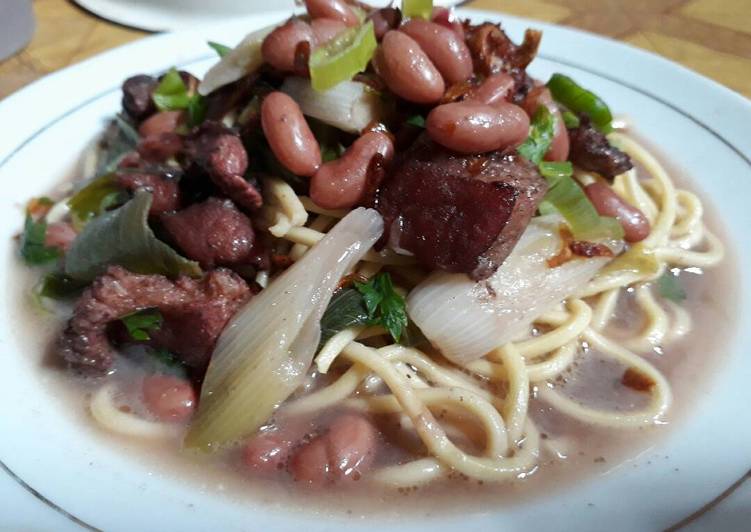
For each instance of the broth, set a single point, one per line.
(570, 452)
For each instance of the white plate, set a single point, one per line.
(696, 123)
(174, 15)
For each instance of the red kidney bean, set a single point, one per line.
(59, 235)
(336, 9)
(340, 184)
(407, 70)
(168, 398)
(445, 49)
(470, 127)
(540, 95)
(267, 453)
(162, 122)
(493, 90)
(288, 134)
(345, 452)
(445, 17)
(385, 19)
(326, 29)
(281, 45)
(608, 203)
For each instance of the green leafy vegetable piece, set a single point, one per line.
(541, 133)
(342, 57)
(384, 305)
(141, 323)
(417, 8)
(173, 95)
(570, 119)
(555, 170)
(346, 309)
(123, 237)
(57, 285)
(220, 49)
(93, 199)
(579, 100)
(416, 120)
(669, 287)
(119, 139)
(33, 249)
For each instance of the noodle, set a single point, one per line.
(420, 384)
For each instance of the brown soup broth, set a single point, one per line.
(583, 451)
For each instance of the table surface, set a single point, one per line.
(712, 37)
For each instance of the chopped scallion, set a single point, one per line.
(341, 58)
(670, 287)
(417, 8)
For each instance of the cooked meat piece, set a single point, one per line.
(220, 152)
(213, 233)
(195, 312)
(459, 213)
(164, 190)
(137, 91)
(493, 52)
(160, 147)
(591, 150)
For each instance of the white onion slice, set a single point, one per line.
(263, 354)
(242, 60)
(349, 106)
(465, 319)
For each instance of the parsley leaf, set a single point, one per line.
(384, 305)
(172, 95)
(33, 249)
(57, 285)
(670, 287)
(346, 309)
(140, 323)
(541, 133)
(220, 49)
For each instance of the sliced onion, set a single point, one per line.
(264, 353)
(242, 60)
(465, 320)
(349, 106)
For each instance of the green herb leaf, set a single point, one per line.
(384, 305)
(579, 100)
(141, 323)
(416, 120)
(669, 287)
(33, 249)
(346, 309)
(541, 133)
(123, 237)
(220, 49)
(93, 199)
(172, 95)
(57, 285)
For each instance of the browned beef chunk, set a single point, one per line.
(220, 153)
(213, 233)
(591, 150)
(137, 91)
(459, 213)
(195, 313)
(494, 52)
(164, 190)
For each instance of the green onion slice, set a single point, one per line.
(569, 199)
(579, 100)
(342, 57)
(417, 8)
